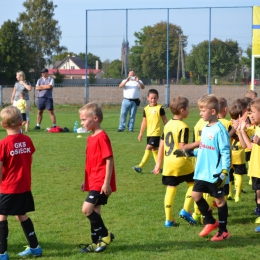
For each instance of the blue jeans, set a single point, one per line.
(131, 107)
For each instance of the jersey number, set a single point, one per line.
(169, 142)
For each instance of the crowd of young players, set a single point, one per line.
(222, 148)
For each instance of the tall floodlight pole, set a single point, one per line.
(209, 56)
(86, 62)
(167, 96)
(126, 49)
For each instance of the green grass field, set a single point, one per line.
(135, 213)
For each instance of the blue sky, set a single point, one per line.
(106, 29)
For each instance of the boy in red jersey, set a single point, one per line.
(16, 152)
(99, 176)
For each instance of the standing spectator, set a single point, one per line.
(131, 100)
(24, 86)
(44, 86)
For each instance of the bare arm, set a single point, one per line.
(159, 158)
(164, 119)
(29, 109)
(27, 86)
(42, 87)
(106, 185)
(122, 84)
(13, 93)
(141, 85)
(143, 126)
(244, 137)
(189, 146)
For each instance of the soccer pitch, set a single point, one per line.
(135, 213)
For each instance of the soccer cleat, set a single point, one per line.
(229, 197)
(220, 236)
(137, 169)
(257, 211)
(208, 228)
(103, 242)
(31, 251)
(4, 256)
(169, 223)
(36, 128)
(88, 248)
(119, 130)
(257, 229)
(187, 216)
(198, 218)
(237, 199)
(257, 221)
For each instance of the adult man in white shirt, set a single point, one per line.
(131, 87)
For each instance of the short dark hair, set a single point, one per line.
(178, 103)
(152, 91)
(236, 110)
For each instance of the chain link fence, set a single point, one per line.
(170, 49)
(113, 95)
(170, 46)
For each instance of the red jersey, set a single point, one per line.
(16, 155)
(97, 151)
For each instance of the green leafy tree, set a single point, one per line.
(224, 57)
(148, 56)
(42, 30)
(82, 55)
(14, 52)
(58, 77)
(113, 70)
(105, 65)
(91, 77)
(92, 60)
(247, 60)
(63, 55)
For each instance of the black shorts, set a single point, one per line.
(176, 180)
(210, 188)
(153, 140)
(45, 103)
(226, 189)
(231, 175)
(16, 204)
(94, 197)
(255, 183)
(239, 169)
(24, 116)
(248, 155)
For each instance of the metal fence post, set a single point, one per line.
(86, 62)
(1, 96)
(209, 56)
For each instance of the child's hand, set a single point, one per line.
(140, 137)
(242, 125)
(235, 124)
(82, 186)
(156, 169)
(106, 189)
(256, 140)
